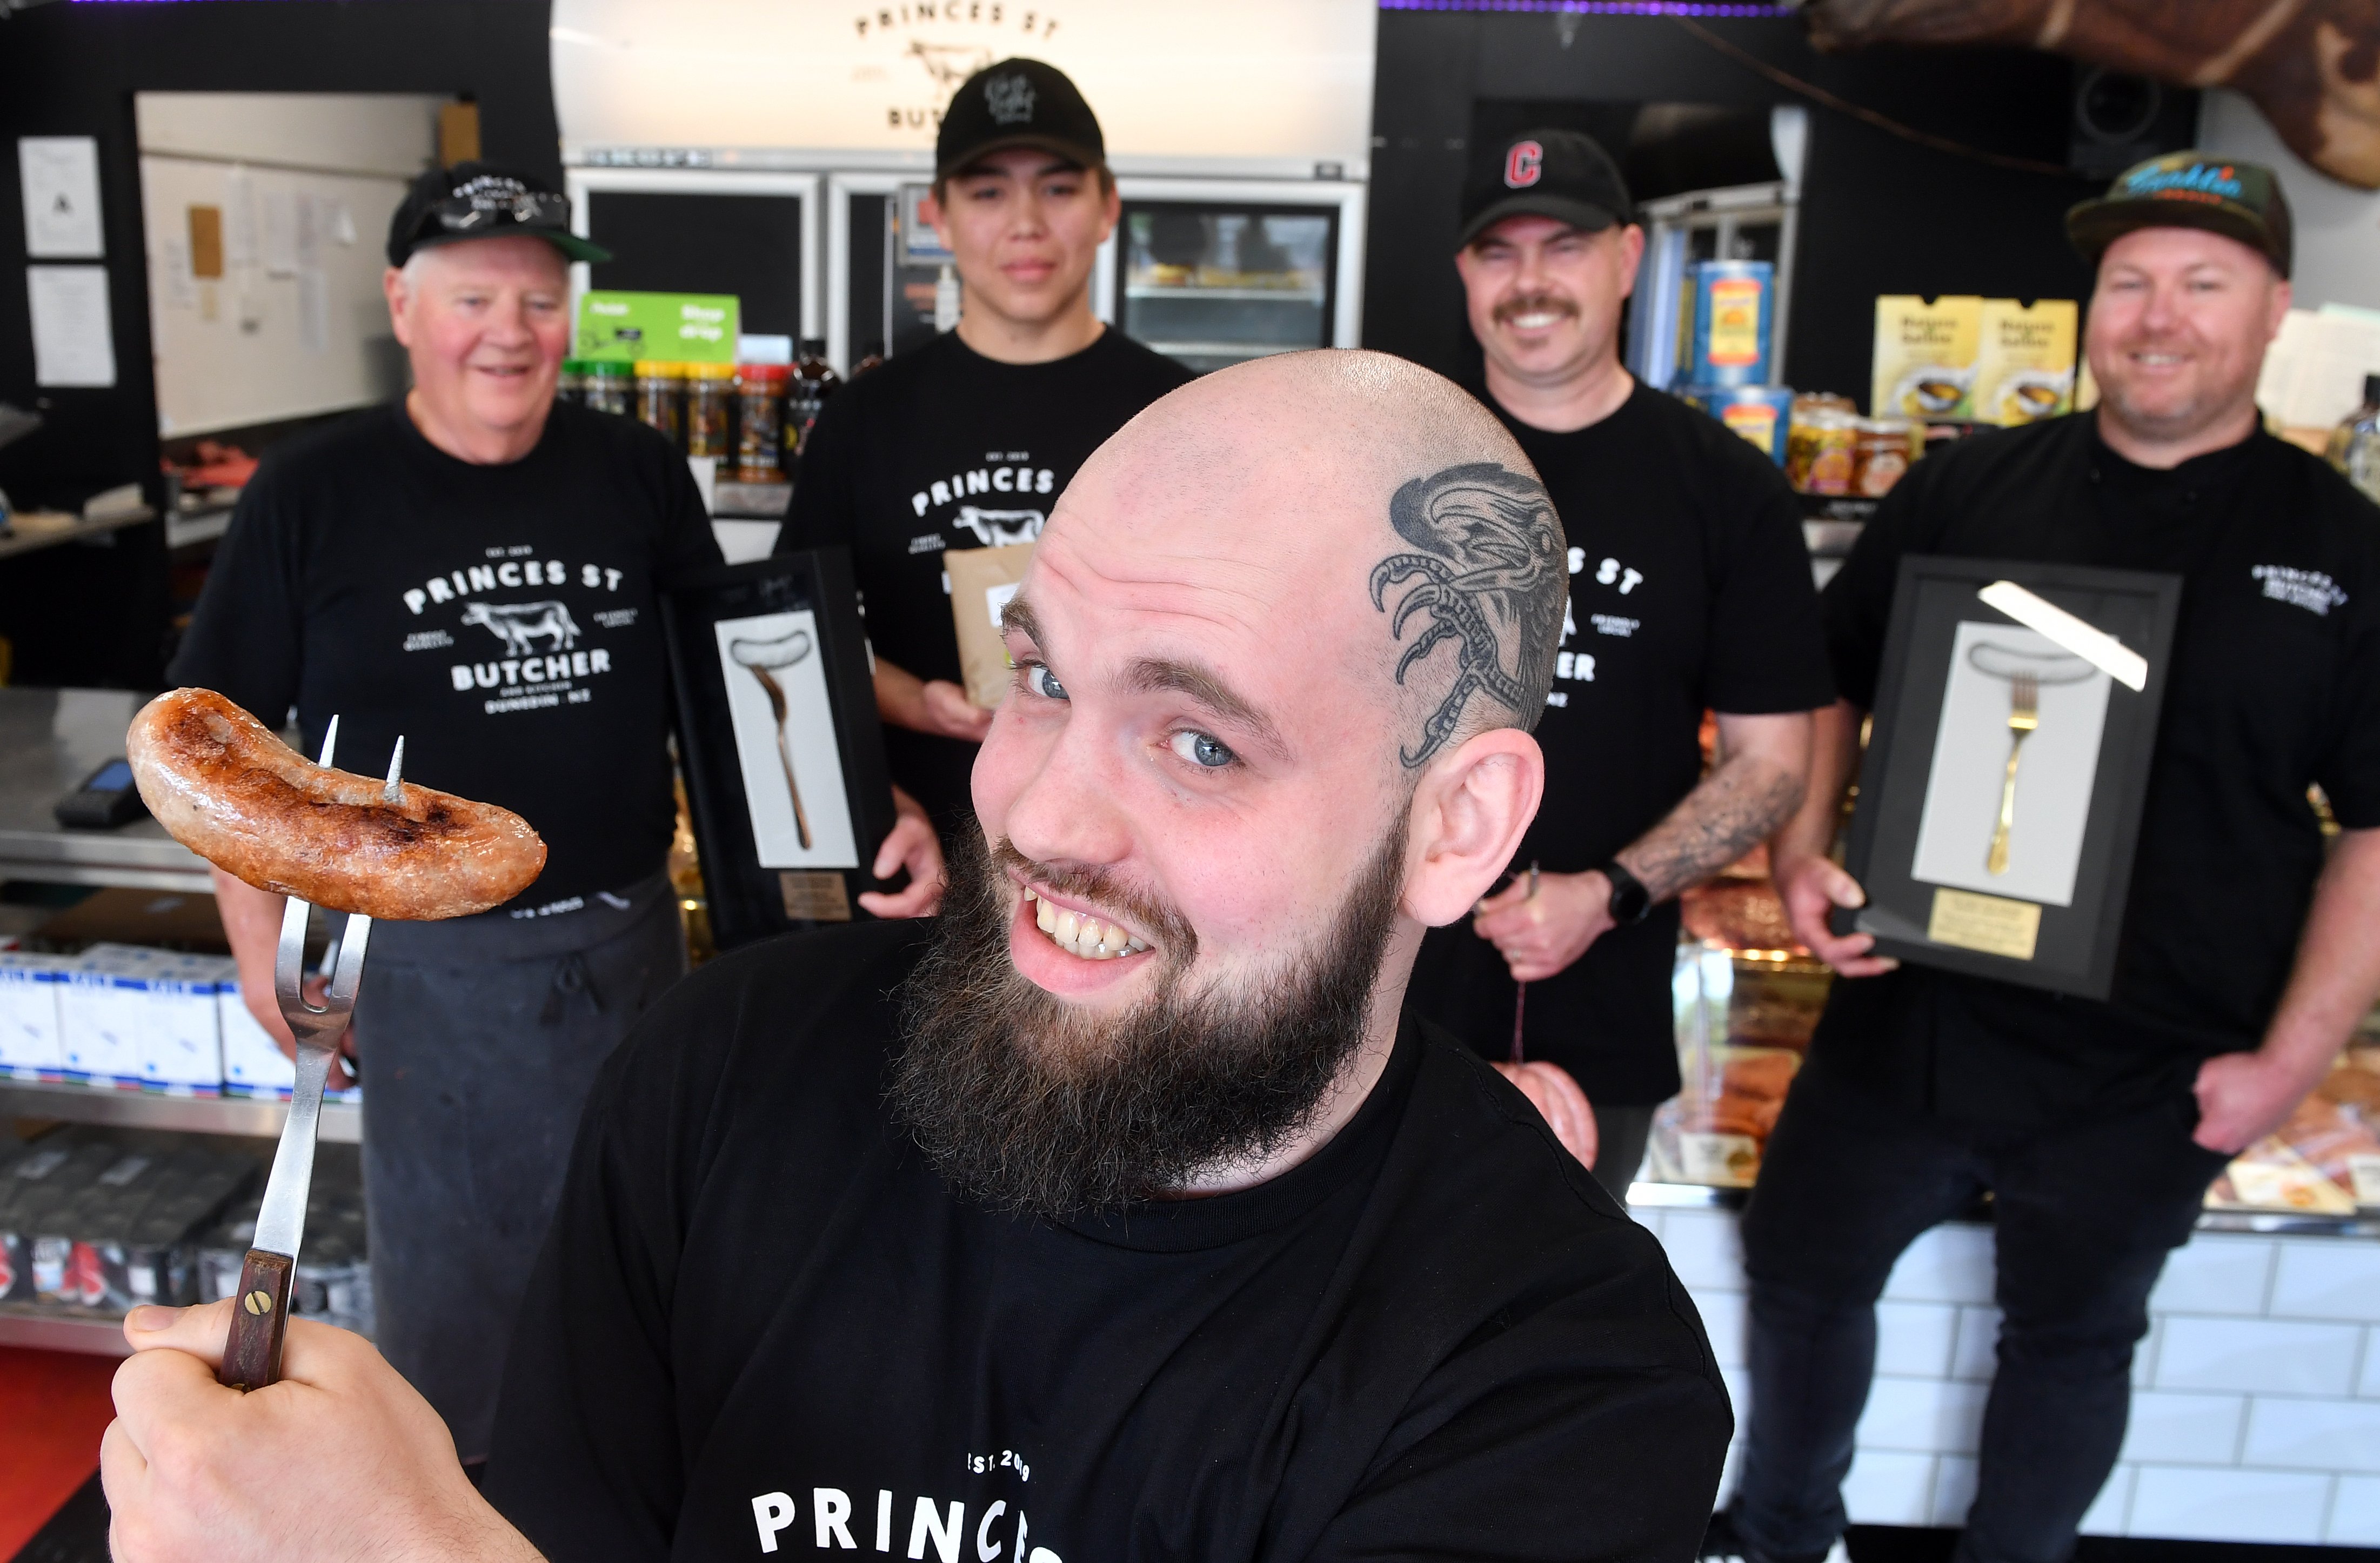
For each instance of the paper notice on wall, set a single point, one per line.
(61, 184)
(239, 218)
(72, 343)
(313, 311)
(177, 275)
(279, 224)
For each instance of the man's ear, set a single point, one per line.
(393, 287)
(1469, 813)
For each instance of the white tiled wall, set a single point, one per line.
(2256, 1395)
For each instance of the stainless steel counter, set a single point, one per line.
(50, 740)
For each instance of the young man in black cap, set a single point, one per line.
(473, 567)
(967, 442)
(2245, 960)
(1689, 591)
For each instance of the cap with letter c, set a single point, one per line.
(1557, 173)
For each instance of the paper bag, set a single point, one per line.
(982, 580)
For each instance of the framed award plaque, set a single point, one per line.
(1999, 799)
(779, 739)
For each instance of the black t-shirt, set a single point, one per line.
(2274, 683)
(1689, 591)
(758, 1306)
(501, 618)
(945, 448)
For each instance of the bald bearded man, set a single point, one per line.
(1119, 1215)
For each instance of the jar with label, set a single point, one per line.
(813, 381)
(608, 386)
(660, 388)
(1822, 452)
(709, 390)
(1885, 448)
(570, 385)
(760, 420)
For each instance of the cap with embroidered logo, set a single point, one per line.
(2188, 190)
(1557, 173)
(1018, 103)
(477, 200)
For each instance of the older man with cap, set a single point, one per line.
(1689, 591)
(2246, 958)
(1120, 1214)
(474, 566)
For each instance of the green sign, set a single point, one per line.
(684, 328)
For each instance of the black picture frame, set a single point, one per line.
(750, 896)
(2072, 946)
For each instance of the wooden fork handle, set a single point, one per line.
(260, 1316)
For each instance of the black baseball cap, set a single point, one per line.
(1556, 174)
(1017, 103)
(2190, 189)
(477, 200)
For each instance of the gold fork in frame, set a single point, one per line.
(2024, 716)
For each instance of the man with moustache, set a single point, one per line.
(2245, 960)
(1122, 1213)
(967, 442)
(1689, 591)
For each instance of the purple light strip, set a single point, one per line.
(1600, 7)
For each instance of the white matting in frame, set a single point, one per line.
(2060, 762)
(785, 741)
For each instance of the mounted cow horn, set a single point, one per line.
(2312, 66)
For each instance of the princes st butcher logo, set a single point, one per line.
(540, 661)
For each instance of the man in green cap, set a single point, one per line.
(2245, 959)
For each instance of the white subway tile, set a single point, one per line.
(2216, 1273)
(1954, 1490)
(1729, 1469)
(2177, 1429)
(1950, 1264)
(2268, 1356)
(2108, 1511)
(1724, 1316)
(1932, 1414)
(1977, 1356)
(2325, 1279)
(1704, 1250)
(2370, 1385)
(2144, 1355)
(2201, 1504)
(1650, 1217)
(1913, 1338)
(1739, 1396)
(1885, 1488)
(2355, 1512)
(2313, 1435)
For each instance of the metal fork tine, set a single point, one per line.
(330, 743)
(289, 958)
(388, 791)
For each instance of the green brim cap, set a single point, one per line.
(2188, 190)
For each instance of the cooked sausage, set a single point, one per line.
(227, 789)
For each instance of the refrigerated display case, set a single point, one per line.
(1217, 273)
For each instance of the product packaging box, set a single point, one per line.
(1733, 323)
(1925, 356)
(28, 1015)
(982, 580)
(34, 1187)
(2025, 363)
(253, 1064)
(129, 1015)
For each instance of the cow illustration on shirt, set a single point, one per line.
(518, 624)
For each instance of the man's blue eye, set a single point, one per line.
(1044, 683)
(1202, 750)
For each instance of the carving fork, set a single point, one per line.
(252, 1357)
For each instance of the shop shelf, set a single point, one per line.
(1308, 296)
(51, 1329)
(342, 1122)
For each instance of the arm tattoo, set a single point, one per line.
(1491, 581)
(1734, 806)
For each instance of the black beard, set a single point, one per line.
(1027, 1106)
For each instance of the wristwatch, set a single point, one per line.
(1631, 902)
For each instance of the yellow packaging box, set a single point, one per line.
(1925, 359)
(2025, 363)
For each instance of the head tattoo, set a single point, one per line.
(1492, 582)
